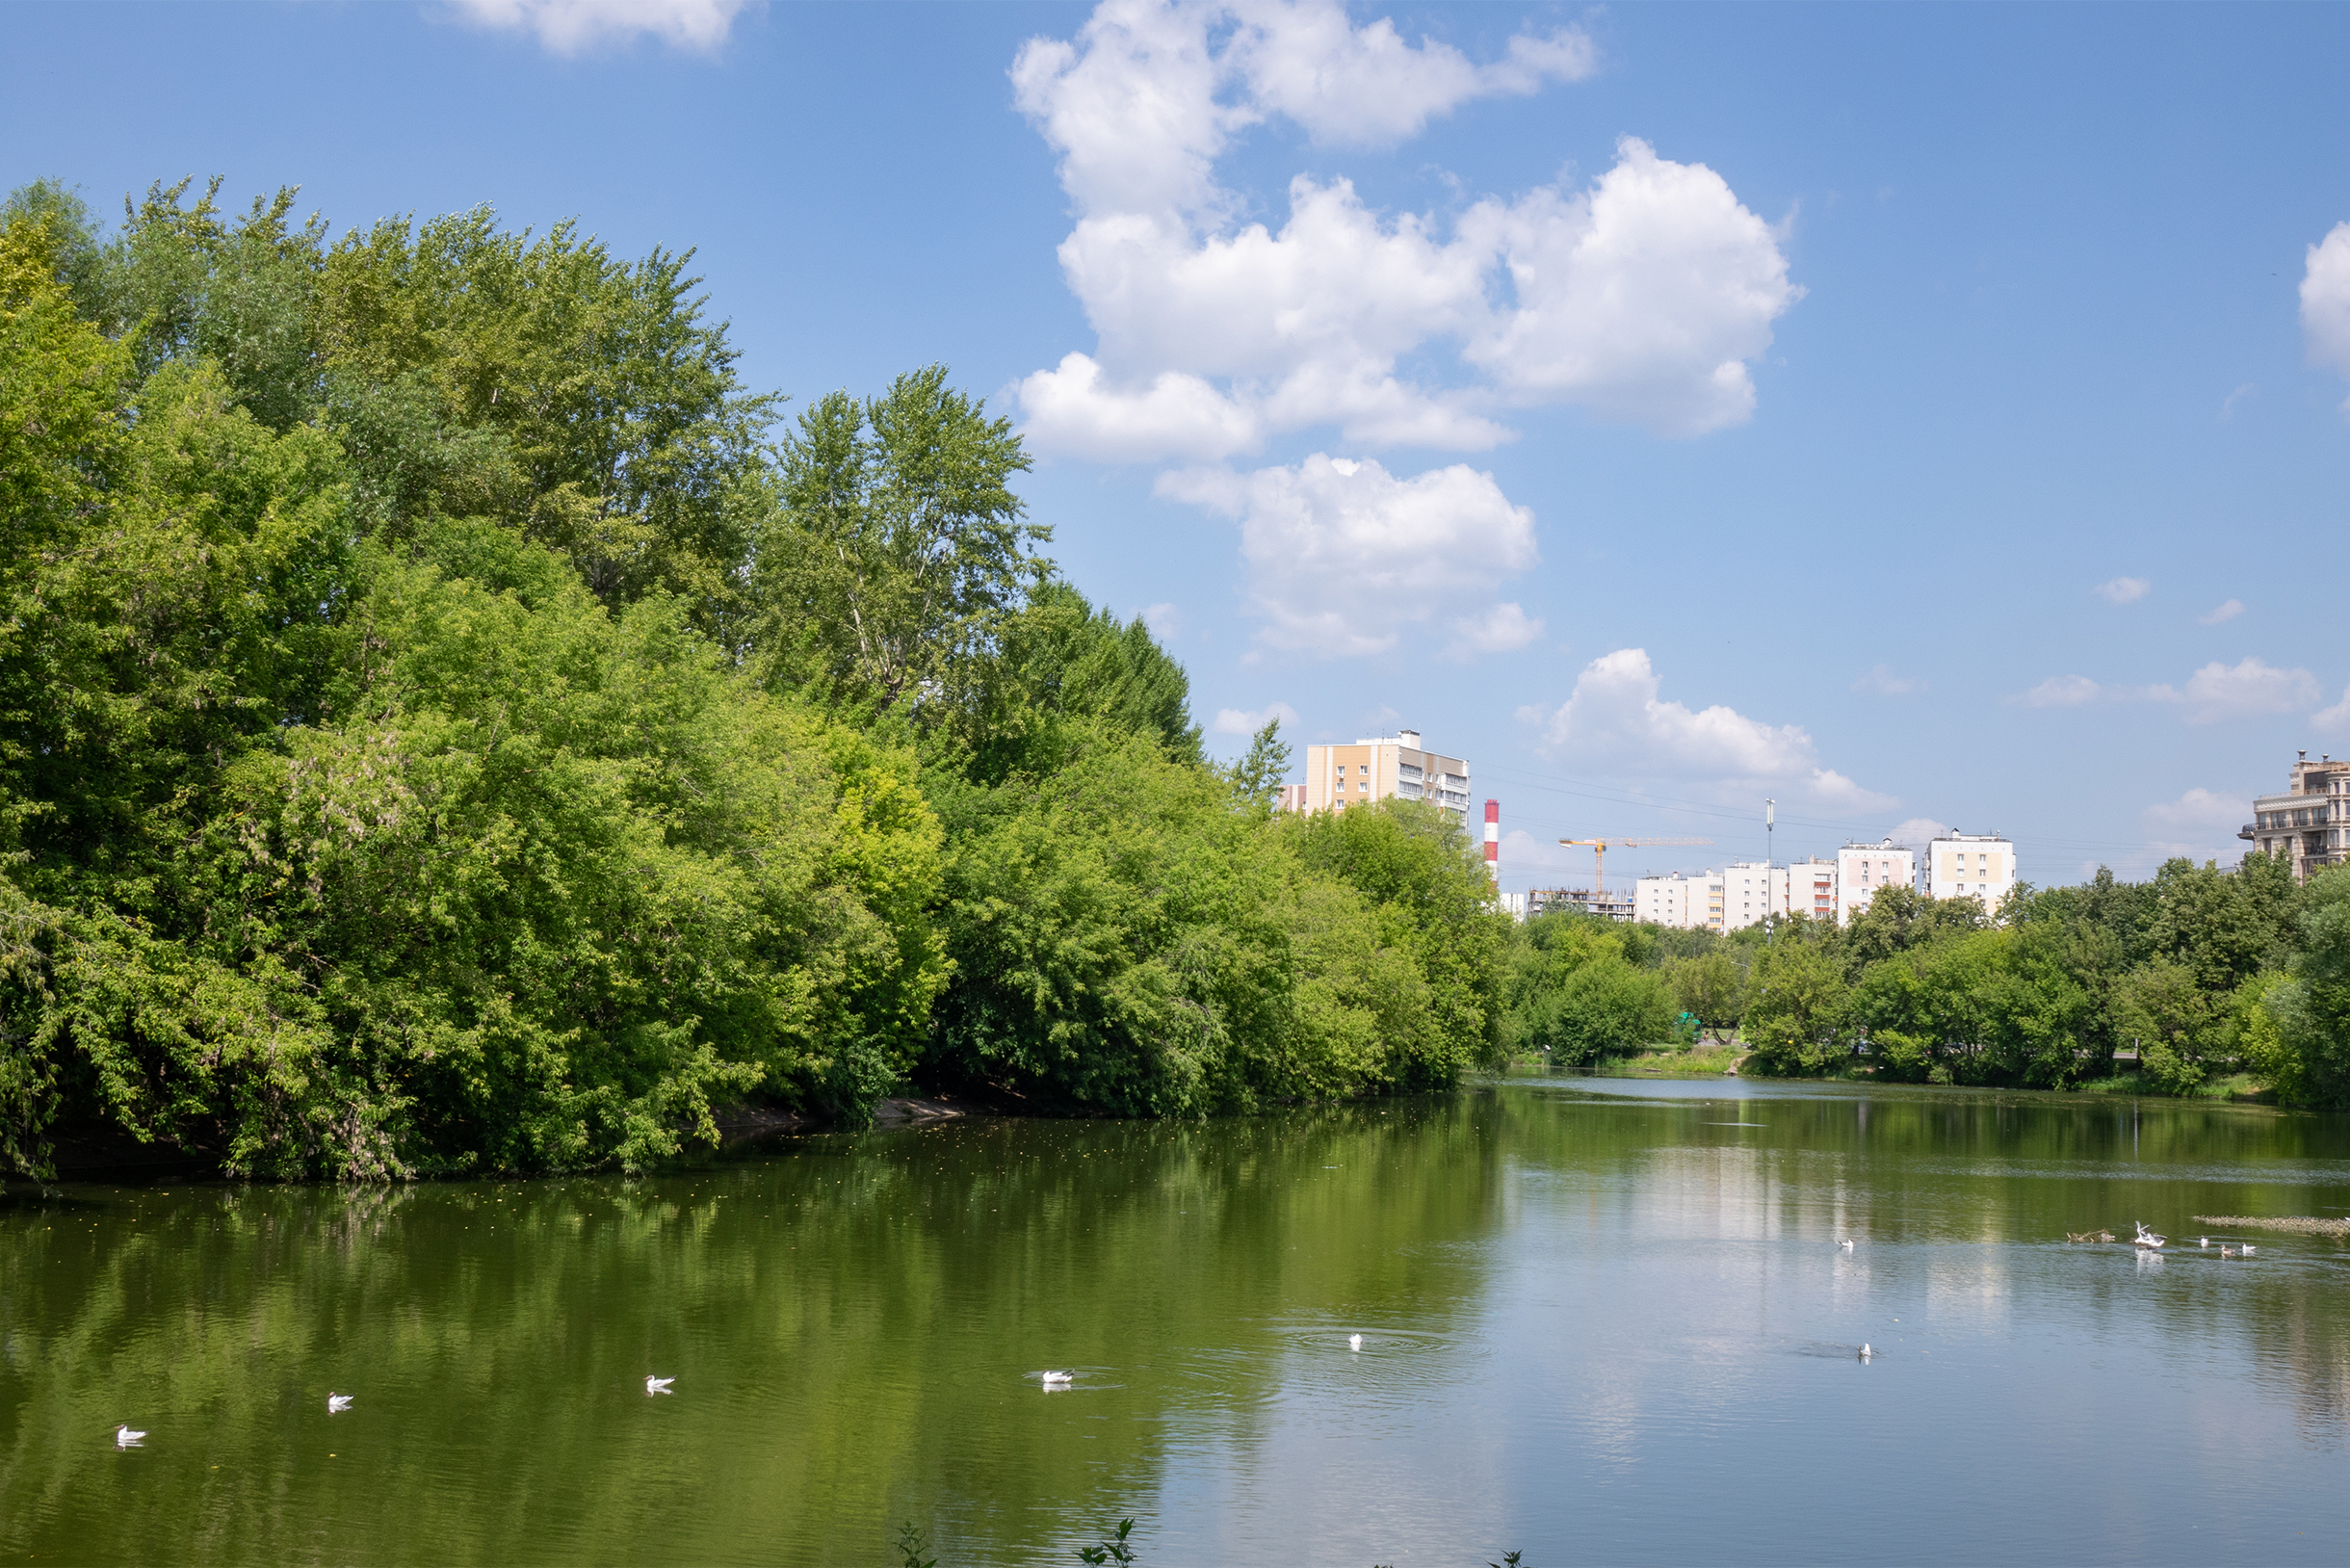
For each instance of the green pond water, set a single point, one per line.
(1604, 1322)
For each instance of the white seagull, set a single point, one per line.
(2147, 1238)
(1059, 1379)
(2245, 1251)
(337, 1404)
(1354, 1341)
(1846, 1243)
(1865, 1352)
(125, 1438)
(658, 1385)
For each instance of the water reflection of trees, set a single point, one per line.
(825, 1306)
(1996, 1169)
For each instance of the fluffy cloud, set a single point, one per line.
(2062, 692)
(2325, 302)
(1366, 86)
(1883, 682)
(1345, 558)
(2334, 718)
(567, 27)
(1249, 720)
(2220, 612)
(1641, 298)
(1919, 831)
(2245, 689)
(1617, 725)
(2200, 825)
(2124, 590)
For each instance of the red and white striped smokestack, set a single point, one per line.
(1493, 837)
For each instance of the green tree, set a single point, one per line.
(896, 550)
(1709, 987)
(2312, 1007)
(1574, 996)
(1795, 1007)
(1414, 863)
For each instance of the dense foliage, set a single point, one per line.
(447, 722)
(2196, 975)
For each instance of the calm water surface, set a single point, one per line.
(1604, 1322)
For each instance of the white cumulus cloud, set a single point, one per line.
(1616, 723)
(1249, 720)
(2201, 824)
(2247, 689)
(1346, 558)
(567, 27)
(2325, 302)
(2222, 613)
(1919, 831)
(2334, 718)
(1366, 85)
(2124, 590)
(1642, 297)
(2062, 692)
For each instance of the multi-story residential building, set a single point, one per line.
(2309, 823)
(1684, 903)
(1970, 866)
(1373, 770)
(1808, 888)
(1293, 797)
(1750, 889)
(1860, 869)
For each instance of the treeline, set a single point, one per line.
(448, 721)
(2201, 972)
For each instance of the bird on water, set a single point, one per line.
(125, 1438)
(2147, 1238)
(1846, 1243)
(337, 1404)
(658, 1385)
(1354, 1341)
(1058, 1379)
(1865, 1352)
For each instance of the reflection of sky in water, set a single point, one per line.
(1594, 1326)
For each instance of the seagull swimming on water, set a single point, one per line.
(1059, 1379)
(658, 1385)
(1354, 1341)
(2244, 1251)
(125, 1438)
(1865, 1352)
(1846, 1243)
(337, 1404)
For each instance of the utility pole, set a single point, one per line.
(1771, 825)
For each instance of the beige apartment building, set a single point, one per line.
(2309, 823)
(1971, 866)
(1860, 869)
(1373, 770)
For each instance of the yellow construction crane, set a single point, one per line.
(1599, 853)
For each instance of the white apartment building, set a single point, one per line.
(1810, 889)
(1860, 869)
(2309, 823)
(1970, 866)
(1684, 903)
(1375, 768)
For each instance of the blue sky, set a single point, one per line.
(1919, 416)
